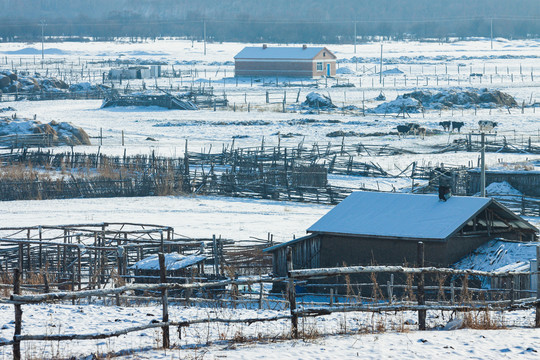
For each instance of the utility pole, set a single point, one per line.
(380, 72)
(483, 164)
(42, 23)
(204, 35)
(491, 32)
(355, 37)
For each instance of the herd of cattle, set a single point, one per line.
(416, 129)
(411, 128)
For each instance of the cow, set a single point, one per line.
(487, 125)
(457, 125)
(422, 132)
(403, 129)
(411, 128)
(446, 125)
(414, 127)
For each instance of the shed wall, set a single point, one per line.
(527, 183)
(286, 68)
(300, 68)
(340, 250)
(306, 255)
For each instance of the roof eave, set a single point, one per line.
(500, 206)
(334, 57)
(513, 215)
(380, 236)
(482, 208)
(290, 242)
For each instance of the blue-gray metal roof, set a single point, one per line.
(400, 215)
(296, 53)
(406, 216)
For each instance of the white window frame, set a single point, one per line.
(320, 66)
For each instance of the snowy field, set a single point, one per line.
(202, 129)
(512, 66)
(394, 339)
(198, 216)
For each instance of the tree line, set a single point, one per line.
(270, 21)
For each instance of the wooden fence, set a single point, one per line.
(28, 141)
(415, 299)
(279, 173)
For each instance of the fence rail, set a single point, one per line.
(465, 304)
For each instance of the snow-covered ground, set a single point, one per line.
(198, 216)
(205, 128)
(512, 66)
(334, 336)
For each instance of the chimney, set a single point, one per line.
(265, 46)
(445, 183)
(304, 47)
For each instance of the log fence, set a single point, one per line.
(347, 301)
(279, 173)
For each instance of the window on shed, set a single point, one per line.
(319, 66)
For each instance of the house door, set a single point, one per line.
(327, 69)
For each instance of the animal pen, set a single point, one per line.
(292, 173)
(94, 256)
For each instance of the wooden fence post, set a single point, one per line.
(260, 294)
(421, 294)
(45, 282)
(537, 320)
(119, 258)
(18, 315)
(164, 297)
(21, 259)
(390, 288)
(292, 294)
(215, 254)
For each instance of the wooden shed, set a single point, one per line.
(526, 181)
(302, 61)
(384, 229)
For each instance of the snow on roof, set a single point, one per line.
(500, 255)
(399, 215)
(173, 261)
(258, 52)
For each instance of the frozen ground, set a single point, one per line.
(199, 216)
(509, 66)
(263, 340)
(211, 131)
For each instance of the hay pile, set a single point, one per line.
(62, 133)
(11, 82)
(449, 98)
(318, 101)
(467, 98)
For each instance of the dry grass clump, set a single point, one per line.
(481, 320)
(19, 172)
(518, 166)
